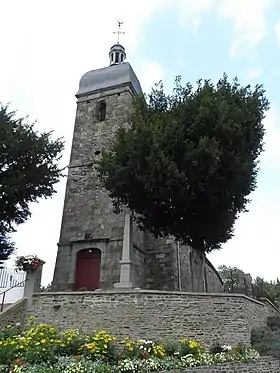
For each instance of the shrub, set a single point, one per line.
(273, 322)
(266, 340)
(43, 349)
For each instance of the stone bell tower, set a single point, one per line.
(91, 240)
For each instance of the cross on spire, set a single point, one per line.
(119, 31)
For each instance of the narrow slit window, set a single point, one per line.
(117, 57)
(101, 111)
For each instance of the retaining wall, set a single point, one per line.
(209, 318)
(14, 314)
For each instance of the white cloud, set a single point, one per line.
(150, 73)
(254, 73)
(188, 10)
(249, 22)
(248, 16)
(197, 5)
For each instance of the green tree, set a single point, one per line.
(267, 289)
(28, 171)
(188, 162)
(232, 278)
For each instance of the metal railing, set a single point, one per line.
(5, 292)
(9, 278)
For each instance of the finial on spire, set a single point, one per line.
(117, 52)
(119, 31)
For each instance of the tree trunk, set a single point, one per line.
(197, 269)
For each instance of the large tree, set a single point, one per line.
(28, 171)
(186, 164)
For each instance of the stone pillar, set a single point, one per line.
(126, 273)
(32, 285)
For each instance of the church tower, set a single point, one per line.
(97, 248)
(91, 238)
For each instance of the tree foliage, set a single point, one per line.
(267, 289)
(188, 162)
(28, 171)
(233, 279)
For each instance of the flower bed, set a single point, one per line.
(42, 348)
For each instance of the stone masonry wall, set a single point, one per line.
(88, 220)
(213, 281)
(14, 314)
(161, 264)
(186, 281)
(138, 257)
(263, 365)
(87, 208)
(139, 267)
(183, 267)
(272, 308)
(209, 318)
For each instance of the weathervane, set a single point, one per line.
(119, 31)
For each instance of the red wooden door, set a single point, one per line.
(88, 269)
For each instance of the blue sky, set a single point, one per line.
(50, 45)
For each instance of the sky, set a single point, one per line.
(48, 45)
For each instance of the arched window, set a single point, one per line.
(101, 111)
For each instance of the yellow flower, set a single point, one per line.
(43, 341)
(159, 350)
(194, 344)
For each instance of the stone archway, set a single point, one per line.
(88, 264)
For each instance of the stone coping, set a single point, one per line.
(13, 307)
(270, 303)
(147, 292)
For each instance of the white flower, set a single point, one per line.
(226, 348)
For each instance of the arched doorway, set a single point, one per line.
(88, 269)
